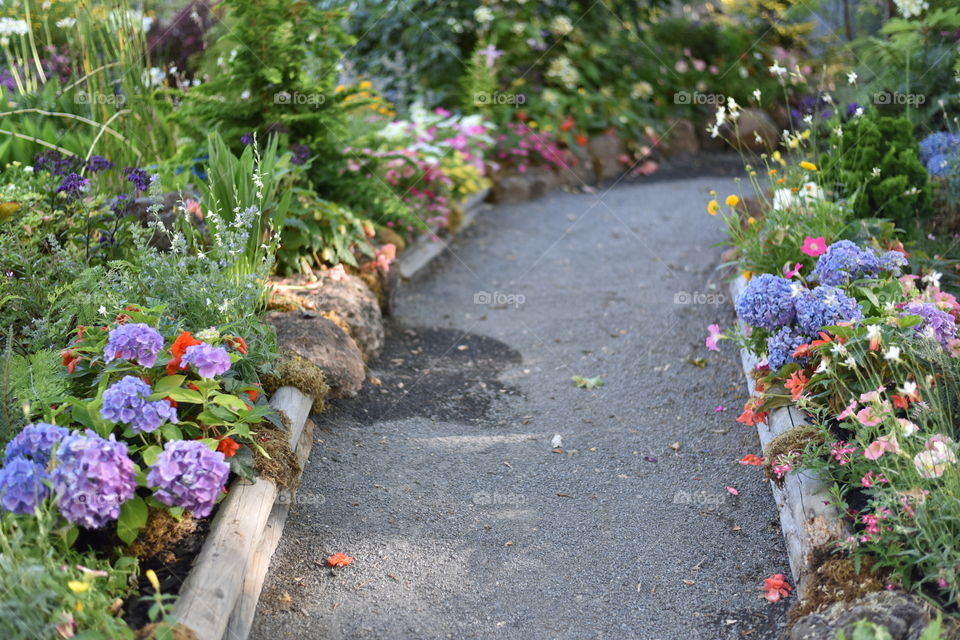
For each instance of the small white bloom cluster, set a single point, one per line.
(911, 8)
(563, 70)
(13, 27)
(561, 25)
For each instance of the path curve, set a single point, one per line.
(442, 481)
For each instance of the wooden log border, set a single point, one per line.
(807, 518)
(219, 597)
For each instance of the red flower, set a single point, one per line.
(70, 360)
(568, 124)
(581, 139)
(253, 393)
(241, 344)
(80, 329)
(228, 447)
(178, 349)
(795, 384)
(752, 459)
(173, 403)
(900, 402)
(802, 351)
(339, 559)
(776, 587)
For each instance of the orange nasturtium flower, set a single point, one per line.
(228, 447)
(795, 384)
(339, 559)
(178, 349)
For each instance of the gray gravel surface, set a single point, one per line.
(443, 482)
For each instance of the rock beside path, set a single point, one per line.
(326, 345)
(904, 616)
(353, 301)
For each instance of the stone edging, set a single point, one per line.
(219, 597)
(807, 518)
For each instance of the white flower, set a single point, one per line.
(13, 27)
(852, 77)
(561, 25)
(932, 278)
(245, 95)
(873, 332)
(858, 112)
(757, 138)
(892, 354)
(796, 289)
(839, 132)
(66, 23)
(909, 388)
(850, 363)
(875, 172)
(777, 70)
(783, 199)
(824, 364)
(911, 8)
(102, 310)
(483, 15)
(756, 94)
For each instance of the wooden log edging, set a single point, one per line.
(808, 519)
(220, 578)
(418, 256)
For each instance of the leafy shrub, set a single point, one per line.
(875, 163)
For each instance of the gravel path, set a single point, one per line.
(443, 481)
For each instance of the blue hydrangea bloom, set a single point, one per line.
(894, 262)
(824, 306)
(21, 485)
(210, 361)
(135, 341)
(35, 442)
(188, 474)
(766, 302)
(845, 262)
(937, 323)
(93, 477)
(126, 402)
(782, 344)
(940, 152)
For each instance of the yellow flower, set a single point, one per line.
(532, 124)
(78, 586)
(809, 166)
(712, 207)
(751, 220)
(779, 158)
(339, 88)
(732, 201)
(747, 275)
(366, 84)
(154, 581)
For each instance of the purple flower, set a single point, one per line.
(98, 163)
(92, 479)
(246, 139)
(138, 177)
(21, 485)
(845, 262)
(135, 342)
(35, 442)
(766, 302)
(126, 402)
(73, 185)
(301, 153)
(54, 162)
(781, 345)
(894, 262)
(824, 306)
(188, 474)
(937, 324)
(209, 361)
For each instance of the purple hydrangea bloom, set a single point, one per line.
(21, 485)
(824, 306)
(188, 474)
(98, 163)
(845, 262)
(92, 479)
(937, 324)
(210, 361)
(782, 344)
(766, 302)
(126, 402)
(138, 177)
(73, 185)
(135, 342)
(35, 442)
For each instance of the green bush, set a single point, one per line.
(875, 162)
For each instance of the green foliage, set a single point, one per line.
(38, 379)
(320, 232)
(45, 584)
(871, 144)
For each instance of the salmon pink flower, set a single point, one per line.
(775, 588)
(752, 460)
(796, 384)
(867, 417)
(848, 411)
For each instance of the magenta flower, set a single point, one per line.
(814, 246)
(789, 272)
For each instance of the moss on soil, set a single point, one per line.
(281, 466)
(161, 533)
(795, 439)
(836, 579)
(296, 371)
(386, 235)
